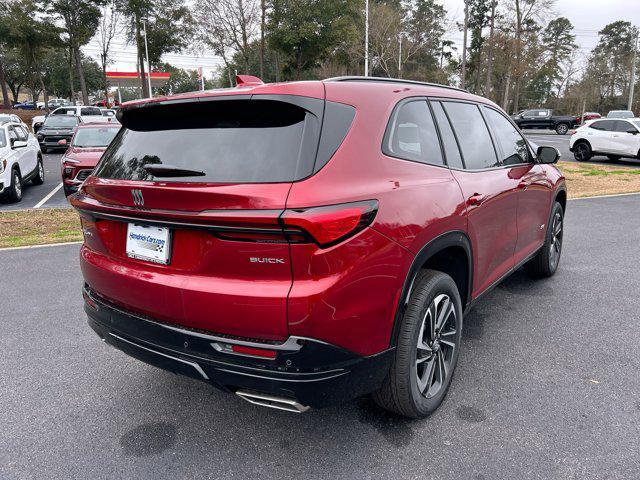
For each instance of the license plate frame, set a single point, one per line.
(148, 243)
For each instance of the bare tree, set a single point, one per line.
(526, 11)
(487, 85)
(109, 28)
(235, 23)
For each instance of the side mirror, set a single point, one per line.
(18, 144)
(62, 142)
(632, 131)
(548, 154)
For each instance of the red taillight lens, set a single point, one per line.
(332, 224)
(254, 352)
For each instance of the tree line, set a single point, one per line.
(518, 53)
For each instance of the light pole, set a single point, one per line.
(366, 38)
(146, 52)
(633, 69)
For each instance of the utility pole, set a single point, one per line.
(400, 56)
(146, 52)
(366, 38)
(464, 46)
(633, 70)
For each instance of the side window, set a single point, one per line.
(529, 113)
(22, 135)
(604, 125)
(12, 134)
(451, 150)
(472, 133)
(59, 111)
(513, 145)
(90, 111)
(622, 126)
(413, 135)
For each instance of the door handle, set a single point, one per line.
(475, 199)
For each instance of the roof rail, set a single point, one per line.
(391, 80)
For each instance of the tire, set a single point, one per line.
(421, 371)
(545, 263)
(39, 178)
(613, 158)
(14, 192)
(582, 152)
(562, 128)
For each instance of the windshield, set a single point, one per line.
(636, 123)
(94, 137)
(61, 121)
(223, 141)
(3, 139)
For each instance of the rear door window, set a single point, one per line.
(472, 133)
(604, 125)
(3, 139)
(449, 142)
(90, 111)
(512, 144)
(413, 135)
(224, 141)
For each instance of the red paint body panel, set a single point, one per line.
(346, 294)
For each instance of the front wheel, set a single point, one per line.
(14, 193)
(582, 152)
(39, 178)
(562, 129)
(546, 261)
(427, 348)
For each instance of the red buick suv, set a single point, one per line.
(302, 244)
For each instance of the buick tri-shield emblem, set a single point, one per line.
(138, 199)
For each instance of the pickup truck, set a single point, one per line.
(544, 118)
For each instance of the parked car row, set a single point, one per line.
(544, 118)
(94, 114)
(20, 159)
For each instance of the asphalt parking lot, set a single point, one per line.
(547, 386)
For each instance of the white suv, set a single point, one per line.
(20, 160)
(614, 138)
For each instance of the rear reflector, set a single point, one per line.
(331, 224)
(254, 352)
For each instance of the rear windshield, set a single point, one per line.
(223, 141)
(94, 137)
(3, 139)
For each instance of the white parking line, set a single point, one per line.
(51, 194)
(25, 247)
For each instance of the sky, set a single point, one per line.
(587, 17)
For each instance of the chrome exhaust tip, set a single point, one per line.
(271, 401)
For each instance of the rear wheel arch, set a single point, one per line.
(450, 253)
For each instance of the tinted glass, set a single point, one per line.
(451, 150)
(61, 121)
(636, 123)
(238, 141)
(475, 141)
(513, 145)
(12, 134)
(94, 137)
(335, 125)
(90, 111)
(413, 135)
(605, 125)
(3, 139)
(622, 126)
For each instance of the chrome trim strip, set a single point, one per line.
(194, 365)
(271, 401)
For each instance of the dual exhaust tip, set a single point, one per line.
(271, 401)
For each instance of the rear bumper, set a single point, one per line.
(314, 373)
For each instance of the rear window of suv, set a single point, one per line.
(222, 141)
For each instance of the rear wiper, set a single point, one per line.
(171, 171)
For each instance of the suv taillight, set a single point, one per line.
(331, 224)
